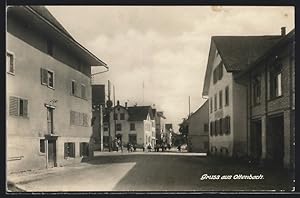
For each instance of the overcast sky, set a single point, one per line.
(165, 47)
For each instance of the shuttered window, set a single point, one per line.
(18, 106)
(227, 125)
(47, 78)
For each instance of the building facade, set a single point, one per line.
(270, 83)
(48, 91)
(198, 129)
(135, 125)
(229, 55)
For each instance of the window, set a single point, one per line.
(10, 63)
(221, 126)
(211, 104)
(73, 87)
(18, 106)
(227, 96)
(132, 126)
(47, 78)
(122, 116)
(83, 93)
(119, 127)
(105, 128)
(220, 69)
(84, 149)
(50, 120)
(215, 128)
(132, 138)
(49, 47)
(69, 149)
(211, 128)
(218, 73)
(227, 125)
(220, 99)
(256, 90)
(215, 77)
(205, 127)
(115, 116)
(216, 102)
(275, 81)
(42, 146)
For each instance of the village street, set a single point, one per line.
(153, 172)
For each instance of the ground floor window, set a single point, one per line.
(69, 149)
(84, 149)
(42, 146)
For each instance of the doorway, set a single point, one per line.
(255, 140)
(275, 139)
(51, 153)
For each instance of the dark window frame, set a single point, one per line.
(132, 126)
(42, 146)
(220, 99)
(274, 71)
(122, 116)
(256, 89)
(11, 63)
(118, 127)
(226, 95)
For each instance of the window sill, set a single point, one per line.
(275, 98)
(42, 154)
(257, 104)
(11, 73)
(79, 97)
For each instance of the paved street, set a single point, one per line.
(155, 172)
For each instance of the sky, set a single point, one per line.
(157, 55)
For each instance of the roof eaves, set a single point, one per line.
(67, 37)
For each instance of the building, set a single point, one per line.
(98, 99)
(270, 83)
(167, 136)
(198, 129)
(229, 55)
(134, 124)
(48, 91)
(159, 124)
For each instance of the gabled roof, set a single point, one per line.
(44, 12)
(42, 20)
(139, 113)
(237, 52)
(284, 40)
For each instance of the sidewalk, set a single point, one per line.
(115, 153)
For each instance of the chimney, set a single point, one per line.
(118, 102)
(283, 31)
(126, 105)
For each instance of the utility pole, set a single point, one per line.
(189, 106)
(114, 110)
(109, 104)
(101, 126)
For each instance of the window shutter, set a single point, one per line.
(44, 76)
(83, 91)
(72, 117)
(66, 150)
(77, 90)
(25, 108)
(13, 106)
(85, 120)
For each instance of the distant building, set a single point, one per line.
(168, 133)
(48, 91)
(198, 129)
(229, 55)
(134, 124)
(270, 82)
(159, 124)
